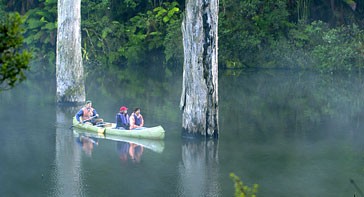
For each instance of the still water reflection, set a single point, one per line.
(293, 134)
(198, 170)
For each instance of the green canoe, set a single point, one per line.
(154, 145)
(107, 128)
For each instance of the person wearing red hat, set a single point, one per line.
(122, 118)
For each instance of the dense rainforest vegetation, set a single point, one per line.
(322, 35)
(13, 59)
(325, 35)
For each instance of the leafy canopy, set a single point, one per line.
(13, 61)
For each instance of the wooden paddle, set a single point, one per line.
(89, 119)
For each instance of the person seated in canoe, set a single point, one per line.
(89, 115)
(136, 120)
(122, 118)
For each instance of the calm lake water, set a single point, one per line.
(293, 134)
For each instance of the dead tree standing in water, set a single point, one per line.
(69, 68)
(199, 99)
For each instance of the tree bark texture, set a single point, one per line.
(69, 68)
(199, 99)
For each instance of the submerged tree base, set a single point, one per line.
(198, 135)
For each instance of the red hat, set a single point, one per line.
(122, 108)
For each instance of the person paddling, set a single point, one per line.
(87, 114)
(122, 118)
(136, 119)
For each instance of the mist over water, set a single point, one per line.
(300, 133)
(292, 133)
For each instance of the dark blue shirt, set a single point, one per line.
(138, 121)
(122, 120)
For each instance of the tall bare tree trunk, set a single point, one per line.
(199, 99)
(69, 68)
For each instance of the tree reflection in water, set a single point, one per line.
(199, 168)
(67, 158)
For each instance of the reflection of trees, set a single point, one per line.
(199, 168)
(288, 101)
(68, 180)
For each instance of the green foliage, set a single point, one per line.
(303, 10)
(113, 33)
(110, 40)
(306, 36)
(102, 37)
(328, 49)
(242, 190)
(258, 33)
(254, 33)
(245, 27)
(2, 8)
(341, 49)
(13, 60)
(41, 36)
(173, 42)
(168, 12)
(147, 32)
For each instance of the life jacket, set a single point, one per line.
(138, 121)
(87, 113)
(122, 120)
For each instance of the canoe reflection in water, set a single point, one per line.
(127, 148)
(129, 151)
(87, 143)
